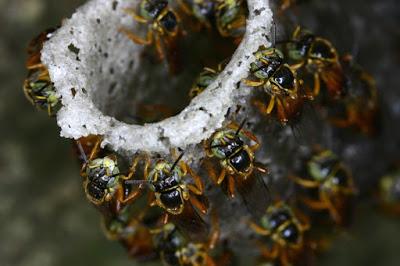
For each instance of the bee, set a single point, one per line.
(127, 227)
(285, 229)
(319, 58)
(334, 183)
(238, 167)
(279, 81)
(206, 77)
(103, 181)
(163, 25)
(175, 248)
(38, 88)
(358, 109)
(230, 18)
(170, 187)
(389, 191)
(202, 10)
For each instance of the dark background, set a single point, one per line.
(44, 216)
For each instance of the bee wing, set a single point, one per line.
(191, 222)
(334, 79)
(342, 205)
(255, 193)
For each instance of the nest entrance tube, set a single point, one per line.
(92, 65)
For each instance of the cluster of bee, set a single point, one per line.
(164, 25)
(158, 207)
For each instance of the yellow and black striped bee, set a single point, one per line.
(359, 108)
(279, 81)
(285, 231)
(163, 26)
(175, 248)
(333, 182)
(103, 181)
(230, 17)
(229, 150)
(38, 87)
(202, 10)
(128, 227)
(206, 77)
(319, 58)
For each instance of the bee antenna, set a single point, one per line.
(80, 148)
(177, 161)
(240, 127)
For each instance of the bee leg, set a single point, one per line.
(151, 199)
(281, 113)
(303, 182)
(132, 13)
(136, 39)
(261, 107)
(231, 186)
(304, 220)
(258, 229)
(267, 253)
(199, 205)
(198, 187)
(210, 170)
(159, 47)
(215, 231)
(211, 70)
(315, 204)
(332, 209)
(317, 84)
(253, 83)
(221, 177)
(165, 218)
(185, 8)
(284, 257)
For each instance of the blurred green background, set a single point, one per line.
(44, 216)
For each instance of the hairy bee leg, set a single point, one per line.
(132, 13)
(221, 177)
(199, 205)
(211, 70)
(271, 104)
(317, 84)
(231, 186)
(303, 182)
(258, 229)
(253, 83)
(151, 199)
(136, 39)
(210, 171)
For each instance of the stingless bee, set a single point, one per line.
(176, 248)
(202, 10)
(38, 88)
(284, 229)
(227, 147)
(230, 18)
(319, 58)
(334, 182)
(279, 81)
(163, 25)
(103, 181)
(359, 108)
(206, 77)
